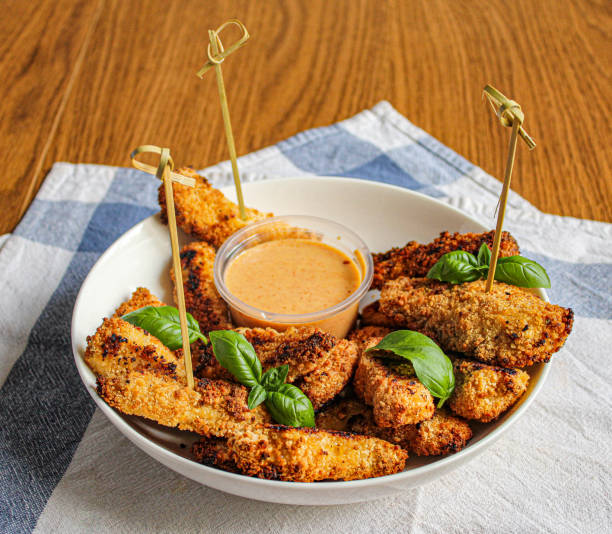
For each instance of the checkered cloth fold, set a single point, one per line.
(65, 468)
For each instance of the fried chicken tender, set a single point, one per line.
(201, 297)
(204, 212)
(507, 326)
(214, 407)
(442, 434)
(319, 363)
(396, 399)
(483, 392)
(415, 260)
(302, 454)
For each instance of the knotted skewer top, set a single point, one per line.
(165, 162)
(508, 111)
(215, 57)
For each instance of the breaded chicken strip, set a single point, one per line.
(204, 212)
(201, 297)
(508, 326)
(442, 434)
(215, 407)
(483, 392)
(415, 260)
(319, 363)
(303, 454)
(396, 399)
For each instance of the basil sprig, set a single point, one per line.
(432, 367)
(459, 266)
(237, 355)
(286, 403)
(164, 323)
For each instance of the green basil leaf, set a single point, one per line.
(484, 255)
(164, 323)
(237, 355)
(289, 406)
(273, 378)
(456, 267)
(522, 272)
(257, 395)
(432, 367)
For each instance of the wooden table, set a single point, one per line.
(87, 81)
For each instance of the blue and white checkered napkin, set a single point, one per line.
(64, 467)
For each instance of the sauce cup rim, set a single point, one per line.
(227, 250)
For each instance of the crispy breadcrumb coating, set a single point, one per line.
(363, 335)
(415, 260)
(319, 363)
(442, 434)
(483, 392)
(372, 316)
(204, 212)
(215, 452)
(140, 298)
(341, 414)
(118, 347)
(278, 452)
(508, 326)
(201, 297)
(396, 399)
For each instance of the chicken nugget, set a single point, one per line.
(483, 392)
(396, 399)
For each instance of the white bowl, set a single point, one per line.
(384, 216)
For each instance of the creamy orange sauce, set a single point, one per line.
(292, 276)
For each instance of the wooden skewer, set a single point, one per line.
(216, 56)
(165, 174)
(510, 114)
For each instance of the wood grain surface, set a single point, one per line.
(87, 81)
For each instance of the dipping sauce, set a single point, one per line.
(292, 276)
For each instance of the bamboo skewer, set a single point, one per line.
(510, 114)
(165, 174)
(216, 56)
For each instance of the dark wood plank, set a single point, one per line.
(313, 62)
(39, 59)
